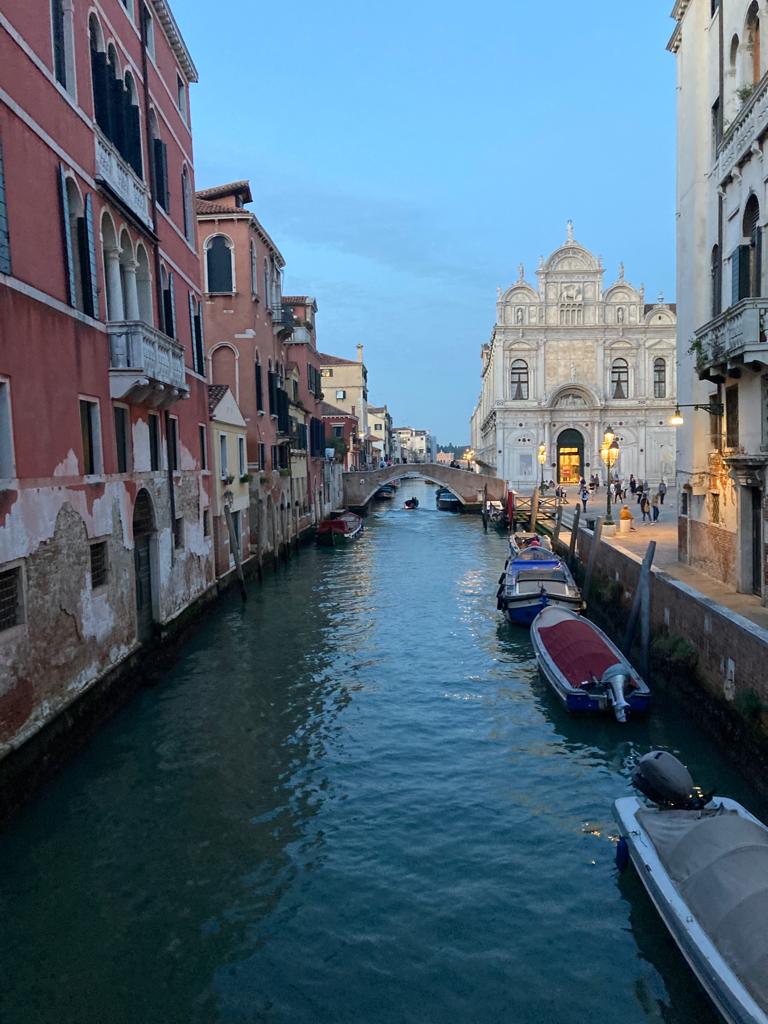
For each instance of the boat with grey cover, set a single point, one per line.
(704, 862)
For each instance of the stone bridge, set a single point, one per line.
(468, 487)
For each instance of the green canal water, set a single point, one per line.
(351, 800)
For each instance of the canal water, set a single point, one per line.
(351, 800)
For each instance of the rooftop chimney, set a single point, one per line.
(359, 353)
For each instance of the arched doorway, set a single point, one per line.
(143, 530)
(570, 457)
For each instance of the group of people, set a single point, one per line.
(650, 504)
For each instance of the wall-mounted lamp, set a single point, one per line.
(713, 408)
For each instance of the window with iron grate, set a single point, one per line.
(178, 532)
(98, 564)
(11, 607)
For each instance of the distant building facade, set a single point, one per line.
(566, 359)
(416, 445)
(380, 426)
(345, 386)
(722, 284)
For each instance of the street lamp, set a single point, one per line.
(713, 408)
(609, 453)
(469, 455)
(542, 457)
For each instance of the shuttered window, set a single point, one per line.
(198, 341)
(169, 308)
(154, 441)
(5, 241)
(160, 160)
(259, 389)
(59, 51)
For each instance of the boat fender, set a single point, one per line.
(622, 854)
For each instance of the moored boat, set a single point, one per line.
(446, 500)
(386, 491)
(584, 668)
(703, 861)
(533, 579)
(340, 527)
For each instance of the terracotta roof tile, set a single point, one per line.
(215, 394)
(335, 360)
(332, 410)
(234, 188)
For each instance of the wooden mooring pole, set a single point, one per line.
(558, 524)
(642, 595)
(534, 509)
(574, 536)
(597, 534)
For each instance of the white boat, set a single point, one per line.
(706, 871)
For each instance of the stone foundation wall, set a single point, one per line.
(712, 549)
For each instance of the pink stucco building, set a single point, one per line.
(104, 493)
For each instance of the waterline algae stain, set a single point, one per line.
(352, 799)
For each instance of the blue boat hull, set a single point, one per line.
(585, 704)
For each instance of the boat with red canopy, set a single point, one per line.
(340, 527)
(584, 668)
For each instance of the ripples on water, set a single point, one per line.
(351, 800)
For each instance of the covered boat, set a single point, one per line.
(534, 578)
(446, 500)
(584, 668)
(340, 527)
(706, 871)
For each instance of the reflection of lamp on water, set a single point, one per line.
(609, 453)
(542, 457)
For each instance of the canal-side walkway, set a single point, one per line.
(664, 532)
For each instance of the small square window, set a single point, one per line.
(11, 606)
(341, 393)
(206, 523)
(178, 532)
(98, 564)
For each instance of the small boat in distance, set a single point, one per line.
(386, 491)
(340, 527)
(584, 668)
(703, 860)
(411, 503)
(446, 500)
(534, 578)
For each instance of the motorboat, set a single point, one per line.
(411, 503)
(520, 540)
(703, 860)
(584, 668)
(446, 500)
(534, 578)
(340, 527)
(386, 491)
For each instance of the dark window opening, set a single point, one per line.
(154, 441)
(178, 532)
(732, 417)
(89, 434)
(172, 427)
(218, 261)
(717, 282)
(121, 438)
(98, 564)
(11, 609)
(203, 448)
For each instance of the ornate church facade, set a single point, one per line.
(568, 358)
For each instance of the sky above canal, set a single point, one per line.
(407, 156)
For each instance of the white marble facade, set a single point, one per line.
(568, 357)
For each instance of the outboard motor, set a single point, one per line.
(615, 679)
(667, 782)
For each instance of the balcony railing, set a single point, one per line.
(735, 337)
(282, 320)
(120, 177)
(145, 365)
(745, 129)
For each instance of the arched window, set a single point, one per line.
(518, 379)
(752, 43)
(254, 271)
(159, 155)
(63, 49)
(186, 198)
(144, 285)
(115, 102)
(79, 249)
(659, 378)
(130, 112)
(747, 261)
(218, 264)
(619, 378)
(717, 281)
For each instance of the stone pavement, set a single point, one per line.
(664, 532)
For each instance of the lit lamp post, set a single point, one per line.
(542, 457)
(609, 453)
(469, 456)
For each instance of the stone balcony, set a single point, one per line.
(121, 179)
(735, 339)
(747, 127)
(145, 366)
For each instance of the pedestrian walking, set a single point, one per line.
(645, 507)
(584, 496)
(662, 491)
(655, 509)
(632, 484)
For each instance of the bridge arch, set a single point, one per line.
(469, 488)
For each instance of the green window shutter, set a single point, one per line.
(70, 267)
(171, 307)
(91, 285)
(5, 243)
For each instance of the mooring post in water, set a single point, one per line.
(597, 534)
(645, 572)
(574, 536)
(485, 508)
(558, 524)
(235, 549)
(534, 509)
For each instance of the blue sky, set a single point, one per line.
(406, 156)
